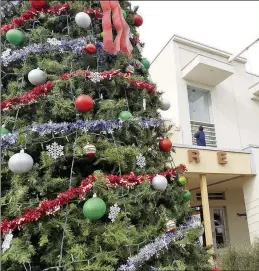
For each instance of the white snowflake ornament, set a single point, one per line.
(114, 211)
(54, 150)
(95, 77)
(6, 53)
(141, 161)
(53, 41)
(7, 241)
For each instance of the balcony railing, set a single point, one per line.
(209, 130)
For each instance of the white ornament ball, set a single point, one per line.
(20, 162)
(37, 77)
(159, 182)
(165, 104)
(83, 19)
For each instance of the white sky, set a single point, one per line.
(226, 25)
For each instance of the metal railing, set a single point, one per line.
(209, 130)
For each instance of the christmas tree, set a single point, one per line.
(88, 179)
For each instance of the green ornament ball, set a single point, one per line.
(94, 208)
(182, 180)
(145, 63)
(4, 131)
(124, 14)
(187, 195)
(137, 34)
(15, 36)
(125, 115)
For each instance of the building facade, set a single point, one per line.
(223, 177)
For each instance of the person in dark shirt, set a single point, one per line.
(200, 137)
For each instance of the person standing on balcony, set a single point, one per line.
(200, 137)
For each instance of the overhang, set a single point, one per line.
(254, 91)
(208, 71)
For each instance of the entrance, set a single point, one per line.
(219, 227)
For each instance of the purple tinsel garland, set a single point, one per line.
(92, 125)
(75, 45)
(160, 243)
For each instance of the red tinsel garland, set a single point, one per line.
(96, 13)
(31, 14)
(32, 95)
(50, 206)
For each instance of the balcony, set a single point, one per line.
(209, 130)
(207, 71)
(254, 91)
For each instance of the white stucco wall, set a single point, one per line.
(235, 115)
(237, 228)
(251, 196)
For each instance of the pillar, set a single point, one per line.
(206, 210)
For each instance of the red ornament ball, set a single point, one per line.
(38, 4)
(138, 20)
(84, 103)
(165, 144)
(215, 269)
(90, 48)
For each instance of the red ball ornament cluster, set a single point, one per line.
(165, 144)
(90, 48)
(84, 103)
(38, 4)
(138, 20)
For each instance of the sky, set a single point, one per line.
(227, 25)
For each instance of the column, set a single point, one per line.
(206, 210)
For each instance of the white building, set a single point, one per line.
(204, 89)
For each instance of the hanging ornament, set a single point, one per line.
(182, 181)
(165, 144)
(55, 150)
(4, 131)
(83, 19)
(15, 36)
(159, 182)
(144, 104)
(114, 211)
(170, 225)
(84, 103)
(187, 195)
(38, 4)
(94, 208)
(7, 241)
(130, 69)
(125, 115)
(20, 162)
(37, 77)
(89, 150)
(141, 161)
(90, 48)
(138, 20)
(137, 34)
(165, 104)
(145, 63)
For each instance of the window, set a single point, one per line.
(199, 105)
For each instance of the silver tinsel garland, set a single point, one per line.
(159, 244)
(92, 126)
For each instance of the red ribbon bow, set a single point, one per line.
(121, 42)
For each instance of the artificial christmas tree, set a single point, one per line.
(94, 187)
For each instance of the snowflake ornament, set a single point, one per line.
(95, 77)
(54, 150)
(114, 211)
(141, 161)
(53, 41)
(6, 53)
(7, 241)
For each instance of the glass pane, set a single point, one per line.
(199, 105)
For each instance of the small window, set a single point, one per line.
(213, 196)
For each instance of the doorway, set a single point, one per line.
(219, 227)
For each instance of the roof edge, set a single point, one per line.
(198, 45)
